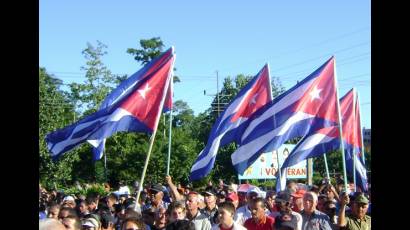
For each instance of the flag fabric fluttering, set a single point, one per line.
(308, 106)
(99, 145)
(230, 124)
(328, 139)
(132, 107)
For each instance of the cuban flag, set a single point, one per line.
(328, 139)
(352, 137)
(99, 145)
(230, 124)
(134, 106)
(309, 105)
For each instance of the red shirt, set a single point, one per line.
(222, 228)
(266, 224)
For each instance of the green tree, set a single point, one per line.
(55, 111)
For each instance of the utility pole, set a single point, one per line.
(218, 95)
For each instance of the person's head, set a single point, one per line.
(309, 202)
(92, 202)
(360, 206)
(107, 221)
(111, 200)
(91, 223)
(328, 192)
(66, 211)
(156, 194)
(69, 201)
(283, 201)
(82, 207)
(50, 224)
(322, 198)
(192, 203)
(71, 222)
(210, 197)
(291, 186)
(257, 207)
(181, 225)
(297, 204)
(226, 212)
(201, 201)
(270, 198)
(148, 216)
(53, 211)
(242, 198)
(161, 218)
(133, 223)
(329, 208)
(233, 198)
(221, 197)
(178, 211)
(315, 189)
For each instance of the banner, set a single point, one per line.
(266, 166)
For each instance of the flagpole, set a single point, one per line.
(155, 131)
(327, 167)
(340, 127)
(361, 130)
(170, 136)
(354, 136)
(274, 119)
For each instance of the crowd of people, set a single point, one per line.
(223, 207)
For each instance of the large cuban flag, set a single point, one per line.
(99, 145)
(328, 139)
(132, 107)
(230, 124)
(308, 106)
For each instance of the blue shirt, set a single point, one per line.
(317, 221)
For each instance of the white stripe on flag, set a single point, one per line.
(285, 102)
(246, 151)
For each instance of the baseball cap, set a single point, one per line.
(68, 198)
(157, 188)
(361, 199)
(299, 193)
(232, 196)
(283, 197)
(209, 191)
(91, 222)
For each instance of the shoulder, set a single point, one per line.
(321, 215)
(297, 215)
(270, 219)
(237, 226)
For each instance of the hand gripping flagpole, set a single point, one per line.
(340, 127)
(274, 123)
(354, 136)
(151, 143)
(170, 129)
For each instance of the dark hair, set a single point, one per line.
(181, 225)
(135, 220)
(106, 219)
(77, 221)
(228, 206)
(71, 211)
(259, 199)
(90, 199)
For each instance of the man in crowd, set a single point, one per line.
(51, 224)
(357, 219)
(71, 222)
(311, 218)
(156, 195)
(200, 221)
(226, 211)
(92, 203)
(284, 213)
(259, 220)
(211, 209)
(233, 198)
(243, 213)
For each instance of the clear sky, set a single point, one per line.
(231, 37)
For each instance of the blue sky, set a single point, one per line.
(231, 37)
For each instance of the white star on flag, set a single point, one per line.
(315, 93)
(253, 100)
(144, 91)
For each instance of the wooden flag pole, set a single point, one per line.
(151, 143)
(340, 128)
